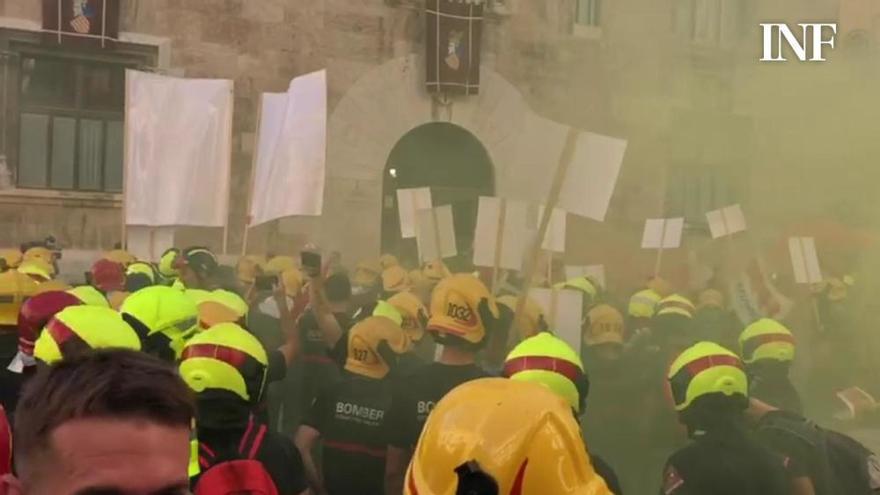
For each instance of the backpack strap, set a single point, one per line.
(252, 439)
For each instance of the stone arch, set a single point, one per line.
(380, 108)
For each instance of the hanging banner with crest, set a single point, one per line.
(453, 38)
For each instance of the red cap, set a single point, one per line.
(108, 276)
(36, 312)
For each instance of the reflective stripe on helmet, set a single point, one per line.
(752, 344)
(543, 363)
(681, 380)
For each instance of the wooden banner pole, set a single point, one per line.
(499, 243)
(565, 159)
(250, 191)
(125, 161)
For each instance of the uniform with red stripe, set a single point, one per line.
(233, 452)
(348, 418)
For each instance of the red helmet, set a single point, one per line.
(36, 312)
(108, 276)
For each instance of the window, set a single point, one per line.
(692, 191)
(70, 123)
(587, 13)
(709, 22)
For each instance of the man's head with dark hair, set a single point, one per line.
(338, 288)
(105, 422)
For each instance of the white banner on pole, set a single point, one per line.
(595, 272)
(726, 221)
(148, 243)
(291, 151)
(592, 175)
(178, 141)
(436, 233)
(663, 233)
(554, 239)
(513, 235)
(804, 260)
(409, 201)
(563, 311)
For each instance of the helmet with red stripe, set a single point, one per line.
(766, 339)
(36, 312)
(547, 360)
(225, 357)
(76, 329)
(706, 369)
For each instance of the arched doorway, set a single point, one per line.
(454, 164)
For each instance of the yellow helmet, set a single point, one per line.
(766, 339)
(706, 368)
(168, 263)
(15, 287)
(369, 344)
(366, 273)
(455, 309)
(117, 299)
(50, 286)
(163, 317)
(711, 298)
(395, 279)
(225, 357)
(583, 284)
(249, 267)
(198, 296)
(221, 306)
(78, 328)
(386, 261)
(520, 437)
(89, 296)
(531, 321)
(37, 269)
(120, 256)
(547, 360)
(677, 305)
(39, 253)
(604, 325)
(279, 264)
(413, 314)
(12, 257)
(643, 304)
(435, 271)
(139, 275)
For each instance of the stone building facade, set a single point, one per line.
(707, 124)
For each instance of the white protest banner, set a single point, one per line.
(554, 239)
(592, 175)
(435, 233)
(148, 243)
(409, 201)
(178, 137)
(662, 233)
(562, 310)
(753, 295)
(290, 154)
(595, 272)
(726, 221)
(501, 234)
(804, 260)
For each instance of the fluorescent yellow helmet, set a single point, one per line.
(89, 296)
(39, 253)
(164, 311)
(676, 304)
(766, 339)
(168, 263)
(79, 328)
(706, 368)
(643, 304)
(547, 360)
(225, 357)
(520, 435)
(37, 269)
